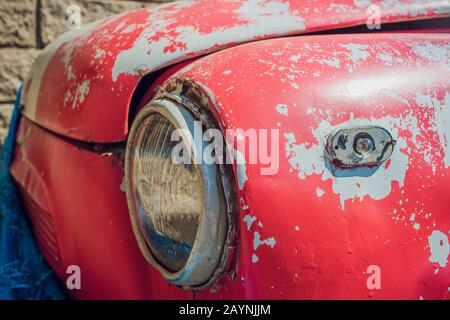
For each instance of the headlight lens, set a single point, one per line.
(178, 211)
(168, 196)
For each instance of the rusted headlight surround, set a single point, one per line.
(178, 211)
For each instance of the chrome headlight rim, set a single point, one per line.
(210, 242)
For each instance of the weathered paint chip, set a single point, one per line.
(248, 219)
(241, 169)
(257, 241)
(439, 248)
(282, 109)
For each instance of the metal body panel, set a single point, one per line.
(81, 191)
(312, 230)
(81, 85)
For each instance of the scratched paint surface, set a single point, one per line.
(313, 227)
(81, 86)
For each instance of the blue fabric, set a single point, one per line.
(24, 274)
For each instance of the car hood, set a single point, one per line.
(82, 84)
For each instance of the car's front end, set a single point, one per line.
(314, 158)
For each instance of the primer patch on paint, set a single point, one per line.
(248, 219)
(257, 241)
(295, 58)
(99, 53)
(361, 3)
(241, 169)
(439, 248)
(335, 62)
(255, 258)
(282, 109)
(441, 121)
(385, 58)
(319, 192)
(82, 91)
(311, 159)
(438, 53)
(357, 52)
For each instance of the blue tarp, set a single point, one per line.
(24, 274)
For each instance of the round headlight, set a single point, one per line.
(177, 208)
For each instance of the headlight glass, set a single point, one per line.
(178, 208)
(169, 197)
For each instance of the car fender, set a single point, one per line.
(82, 84)
(311, 230)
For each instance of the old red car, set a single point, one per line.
(328, 127)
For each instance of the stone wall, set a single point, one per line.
(26, 26)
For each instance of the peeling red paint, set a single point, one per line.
(329, 254)
(163, 36)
